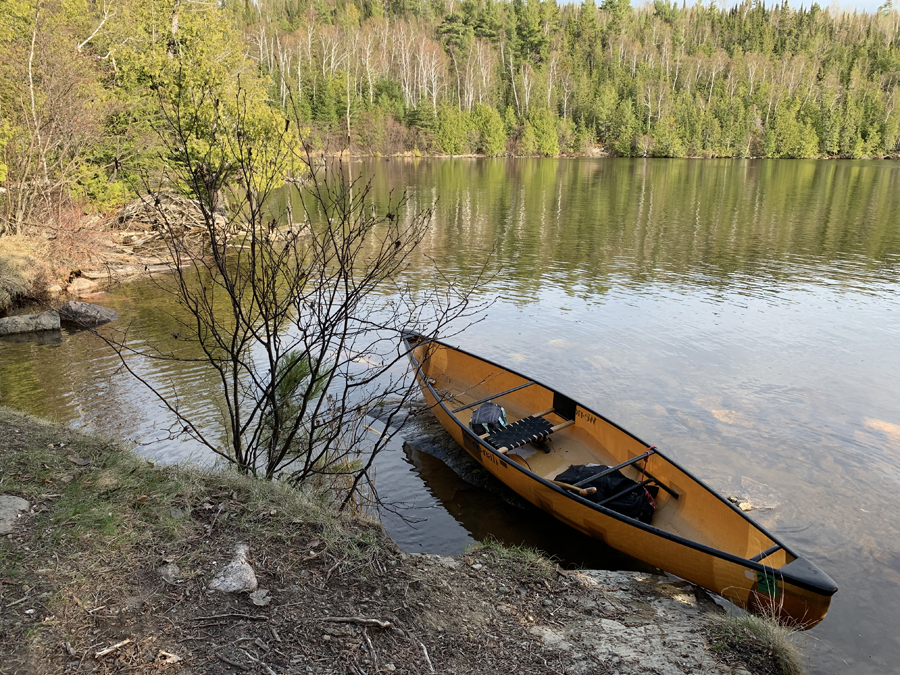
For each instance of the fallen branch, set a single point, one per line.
(265, 667)
(110, 650)
(225, 659)
(231, 616)
(357, 619)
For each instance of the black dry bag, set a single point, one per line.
(637, 502)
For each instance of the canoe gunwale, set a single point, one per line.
(823, 589)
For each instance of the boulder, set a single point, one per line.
(28, 323)
(81, 285)
(86, 314)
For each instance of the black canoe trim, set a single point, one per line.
(806, 578)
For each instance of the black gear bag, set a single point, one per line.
(636, 502)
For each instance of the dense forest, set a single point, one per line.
(83, 82)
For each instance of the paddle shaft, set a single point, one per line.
(582, 492)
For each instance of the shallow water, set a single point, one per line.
(741, 315)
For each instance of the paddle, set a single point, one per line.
(582, 492)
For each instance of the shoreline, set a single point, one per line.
(109, 568)
(43, 268)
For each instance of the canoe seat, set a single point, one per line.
(526, 430)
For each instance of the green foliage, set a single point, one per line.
(486, 121)
(670, 80)
(790, 136)
(6, 133)
(625, 128)
(541, 124)
(451, 129)
(324, 104)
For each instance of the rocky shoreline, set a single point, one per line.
(117, 565)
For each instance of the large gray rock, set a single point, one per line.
(86, 314)
(238, 576)
(28, 323)
(9, 511)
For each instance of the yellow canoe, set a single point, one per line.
(695, 533)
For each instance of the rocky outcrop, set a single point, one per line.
(29, 323)
(86, 314)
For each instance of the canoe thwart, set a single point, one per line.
(624, 492)
(634, 460)
(608, 470)
(765, 554)
(662, 486)
(492, 396)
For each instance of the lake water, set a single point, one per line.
(741, 315)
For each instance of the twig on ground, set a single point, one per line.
(371, 649)
(231, 615)
(357, 619)
(261, 663)
(215, 518)
(427, 660)
(109, 650)
(225, 659)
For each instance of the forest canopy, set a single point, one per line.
(82, 82)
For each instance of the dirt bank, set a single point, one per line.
(108, 569)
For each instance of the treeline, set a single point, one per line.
(537, 77)
(85, 84)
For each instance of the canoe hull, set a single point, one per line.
(748, 585)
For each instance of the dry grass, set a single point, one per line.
(51, 254)
(520, 562)
(23, 269)
(764, 644)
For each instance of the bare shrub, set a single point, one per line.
(299, 324)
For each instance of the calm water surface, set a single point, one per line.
(742, 315)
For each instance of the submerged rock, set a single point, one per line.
(29, 323)
(86, 314)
